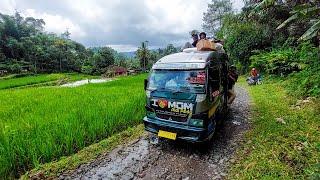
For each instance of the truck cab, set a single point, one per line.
(186, 95)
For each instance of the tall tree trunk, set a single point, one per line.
(60, 66)
(35, 65)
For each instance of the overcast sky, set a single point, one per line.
(121, 24)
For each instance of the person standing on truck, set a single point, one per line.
(195, 39)
(203, 35)
(232, 79)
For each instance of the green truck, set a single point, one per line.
(186, 95)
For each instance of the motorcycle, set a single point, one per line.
(254, 81)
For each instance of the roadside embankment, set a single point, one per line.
(284, 140)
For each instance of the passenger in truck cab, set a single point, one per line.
(232, 79)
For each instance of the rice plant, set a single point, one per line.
(38, 125)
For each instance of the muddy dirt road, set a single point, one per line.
(147, 158)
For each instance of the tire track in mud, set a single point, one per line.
(148, 158)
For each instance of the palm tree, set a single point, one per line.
(143, 54)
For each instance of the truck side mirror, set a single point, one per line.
(145, 84)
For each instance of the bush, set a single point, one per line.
(243, 37)
(299, 66)
(87, 69)
(278, 61)
(15, 68)
(306, 82)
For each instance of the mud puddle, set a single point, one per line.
(85, 81)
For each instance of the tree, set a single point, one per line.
(153, 57)
(133, 63)
(66, 34)
(24, 46)
(304, 10)
(170, 49)
(15, 31)
(243, 39)
(143, 53)
(104, 58)
(108, 55)
(120, 60)
(213, 17)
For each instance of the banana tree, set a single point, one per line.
(307, 10)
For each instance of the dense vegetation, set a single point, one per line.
(280, 38)
(26, 47)
(42, 124)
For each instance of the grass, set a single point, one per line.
(53, 169)
(42, 79)
(39, 125)
(279, 150)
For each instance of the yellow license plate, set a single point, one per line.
(168, 135)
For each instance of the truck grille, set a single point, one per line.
(173, 118)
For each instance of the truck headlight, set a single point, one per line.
(196, 122)
(151, 114)
(148, 93)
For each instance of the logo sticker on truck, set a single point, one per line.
(173, 106)
(162, 103)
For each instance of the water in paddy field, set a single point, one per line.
(86, 81)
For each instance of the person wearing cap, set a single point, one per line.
(195, 39)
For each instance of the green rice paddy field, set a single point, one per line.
(39, 80)
(42, 124)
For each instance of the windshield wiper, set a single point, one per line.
(182, 89)
(161, 89)
(185, 87)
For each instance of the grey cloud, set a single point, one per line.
(120, 22)
(124, 21)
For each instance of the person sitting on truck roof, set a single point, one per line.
(232, 79)
(203, 35)
(195, 39)
(218, 45)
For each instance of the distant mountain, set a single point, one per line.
(129, 54)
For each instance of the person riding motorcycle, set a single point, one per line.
(254, 74)
(254, 78)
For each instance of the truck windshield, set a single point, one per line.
(185, 81)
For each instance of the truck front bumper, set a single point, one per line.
(184, 132)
